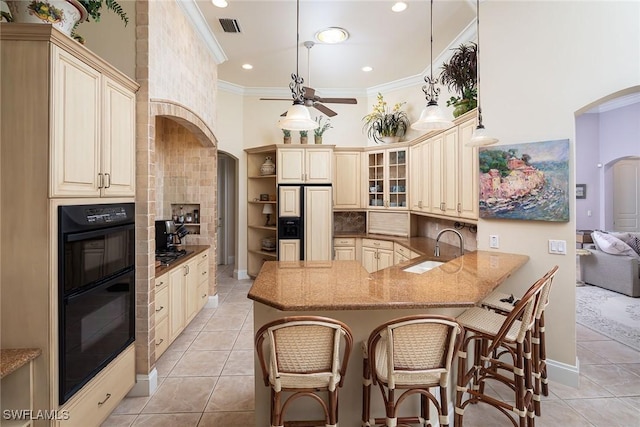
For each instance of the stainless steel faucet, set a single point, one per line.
(444, 230)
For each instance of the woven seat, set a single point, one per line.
(412, 353)
(306, 356)
(498, 301)
(494, 336)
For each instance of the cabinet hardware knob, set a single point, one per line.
(204, 273)
(108, 176)
(160, 284)
(100, 181)
(204, 295)
(160, 342)
(159, 309)
(105, 399)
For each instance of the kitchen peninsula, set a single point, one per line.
(345, 291)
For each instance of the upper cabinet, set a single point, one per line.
(93, 131)
(347, 180)
(450, 183)
(305, 165)
(387, 179)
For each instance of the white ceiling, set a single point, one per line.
(396, 45)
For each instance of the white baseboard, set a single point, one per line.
(212, 302)
(145, 385)
(563, 373)
(240, 275)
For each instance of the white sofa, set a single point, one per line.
(619, 273)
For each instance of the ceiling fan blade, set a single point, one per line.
(275, 99)
(338, 100)
(323, 109)
(309, 92)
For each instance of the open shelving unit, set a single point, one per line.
(261, 191)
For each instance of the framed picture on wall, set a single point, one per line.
(581, 191)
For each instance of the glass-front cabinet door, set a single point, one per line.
(387, 176)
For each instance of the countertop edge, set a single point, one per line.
(197, 249)
(12, 359)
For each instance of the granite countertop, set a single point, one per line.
(195, 250)
(12, 359)
(346, 285)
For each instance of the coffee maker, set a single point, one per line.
(169, 235)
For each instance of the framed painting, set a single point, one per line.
(527, 181)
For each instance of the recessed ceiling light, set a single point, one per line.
(247, 66)
(332, 35)
(220, 3)
(367, 69)
(399, 6)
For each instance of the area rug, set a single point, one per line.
(609, 313)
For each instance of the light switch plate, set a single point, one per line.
(558, 247)
(494, 241)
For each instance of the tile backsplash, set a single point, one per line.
(349, 222)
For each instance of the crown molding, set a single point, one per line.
(616, 103)
(194, 15)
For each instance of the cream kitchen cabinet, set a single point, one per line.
(387, 178)
(454, 171)
(347, 180)
(192, 282)
(420, 177)
(318, 223)
(162, 314)
(93, 131)
(203, 279)
(376, 254)
(402, 253)
(289, 250)
(177, 281)
(344, 248)
(308, 165)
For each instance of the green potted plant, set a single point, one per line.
(287, 136)
(303, 136)
(460, 76)
(321, 129)
(94, 11)
(385, 125)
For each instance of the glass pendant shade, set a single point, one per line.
(297, 118)
(481, 137)
(432, 118)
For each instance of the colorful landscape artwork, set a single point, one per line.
(527, 181)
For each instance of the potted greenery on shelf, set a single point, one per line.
(384, 125)
(287, 136)
(303, 136)
(94, 11)
(321, 129)
(460, 76)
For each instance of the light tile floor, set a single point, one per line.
(206, 378)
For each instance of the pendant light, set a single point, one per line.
(432, 117)
(298, 116)
(480, 136)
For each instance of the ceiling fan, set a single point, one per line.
(309, 94)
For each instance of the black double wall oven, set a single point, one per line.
(96, 290)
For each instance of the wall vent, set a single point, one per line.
(229, 25)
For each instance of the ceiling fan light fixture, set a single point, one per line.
(432, 118)
(332, 35)
(297, 118)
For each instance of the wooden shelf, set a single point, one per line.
(261, 176)
(264, 253)
(264, 227)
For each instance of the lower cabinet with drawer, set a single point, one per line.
(376, 254)
(93, 404)
(402, 254)
(344, 248)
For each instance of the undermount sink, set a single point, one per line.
(422, 267)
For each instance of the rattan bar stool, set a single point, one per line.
(307, 356)
(493, 336)
(414, 354)
(500, 302)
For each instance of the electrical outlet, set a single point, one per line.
(494, 241)
(558, 247)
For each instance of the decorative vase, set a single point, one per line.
(268, 168)
(303, 140)
(62, 14)
(287, 140)
(317, 139)
(389, 139)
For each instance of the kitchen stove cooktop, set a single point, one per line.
(171, 255)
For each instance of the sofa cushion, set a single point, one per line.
(613, 245)
(634, 242)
